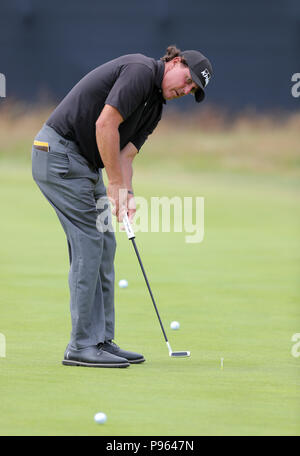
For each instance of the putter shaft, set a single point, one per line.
(150, 291)
(131, 237)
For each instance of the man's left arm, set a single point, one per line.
(127, 155)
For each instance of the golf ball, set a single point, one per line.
(174, 325)
(123, 283)
(100, 418)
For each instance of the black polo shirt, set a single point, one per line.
(132, 84)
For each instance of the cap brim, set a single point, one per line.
(199, 94)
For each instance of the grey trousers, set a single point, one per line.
(73, 188)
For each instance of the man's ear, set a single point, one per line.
(176, 61)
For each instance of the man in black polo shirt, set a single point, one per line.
(102, 123)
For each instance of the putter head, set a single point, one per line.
(181, 354)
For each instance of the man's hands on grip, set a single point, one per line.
(122, 200)
(131, 207)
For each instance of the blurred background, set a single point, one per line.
(46, 47)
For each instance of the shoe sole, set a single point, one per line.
(82, 364)
(136, 361)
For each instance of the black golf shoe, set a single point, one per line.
(112, 348)
(93, 356)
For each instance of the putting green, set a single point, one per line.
(236, 296)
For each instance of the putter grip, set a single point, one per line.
(128, 228)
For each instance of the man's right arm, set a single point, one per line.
(108, 142)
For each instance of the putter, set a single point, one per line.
(131, 236)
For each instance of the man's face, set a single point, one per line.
(177, 81)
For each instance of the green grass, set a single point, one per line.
(236, 295)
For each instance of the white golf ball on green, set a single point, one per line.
(123, 283)
(100, 418)
(174, 325)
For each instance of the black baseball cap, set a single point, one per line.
(201, 71)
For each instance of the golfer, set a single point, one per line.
(103, 123)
